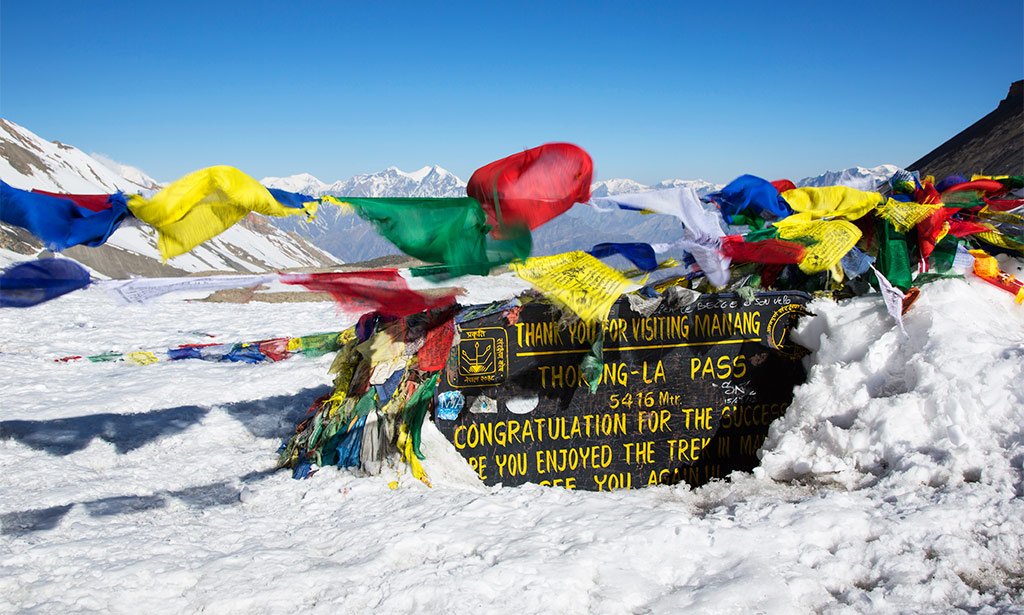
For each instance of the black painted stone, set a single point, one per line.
(686, 394)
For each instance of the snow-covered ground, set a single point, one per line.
(892, 485)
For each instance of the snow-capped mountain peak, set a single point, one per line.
(860, 178)
(303, 183)
(429, 181)
(609, 187)
(132, 174)
(28, 161)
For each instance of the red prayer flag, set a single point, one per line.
(997, 205)
(275, 349)
(985, 186)
(768, 251)
(927, 194)
(434, 354)
(929, 229)
(962, 228)
(532, 187)
(379, 290)
(92, 202)
(783, 185)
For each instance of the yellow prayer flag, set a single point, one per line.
(142, 357)
(575, 280)
(405, 446)
(833, 201)
(1000, 240)
(827, 241)
(905, 216)
(204, 204)
(345, 206)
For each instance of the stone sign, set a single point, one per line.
(686, 393)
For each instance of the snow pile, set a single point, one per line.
(943, 406)
(892, 485)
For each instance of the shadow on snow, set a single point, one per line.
(274, 417)
(221, 493)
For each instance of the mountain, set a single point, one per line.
(426, 182)
(861, 178)
(609, 187)
(29, 162)
(994, 145)
(347, 236)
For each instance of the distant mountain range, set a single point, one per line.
(265, 243)
(580, 228)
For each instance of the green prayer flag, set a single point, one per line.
(894, 256)
(416, 408)
(367, 402)
(769, 233)
(593, 364)
(320, 344)
(449, 231)
(943, 254)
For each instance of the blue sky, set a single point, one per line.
(653, 90)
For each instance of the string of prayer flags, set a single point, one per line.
(59, 222)
(575, 280)
(702, 230)
(973, 191)
(375, 409)
(33, 282)
(529, 188)
(204, 204)
(271, 350)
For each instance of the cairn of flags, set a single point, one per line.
(753, 234)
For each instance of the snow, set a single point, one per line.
(132, 174)
(303, 183)
(893, 484)
(859, 178)
(57, 167)
(420, 174)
